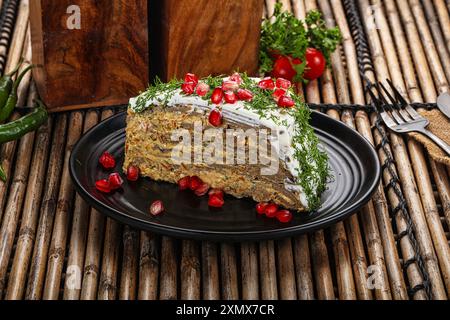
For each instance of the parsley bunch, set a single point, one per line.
(289, 36)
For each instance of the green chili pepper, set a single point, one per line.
(2, 174)
(8, 108)
(6, 84)
(18, 128)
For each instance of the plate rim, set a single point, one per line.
(238, 236)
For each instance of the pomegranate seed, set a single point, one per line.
(283, 83)
(216, 192)
(195, 183)
(184, 183)
(267, 84)
(132, 173)
(156, 207)
(115, 181)
(217, 95)
(215, 118)
(202, 189)
(236, 77)
(191, 78)
(285, 102)
(107, 160)
(202, 89)
(188, 88)
(271, 210)
(229, 85)
(103, 186)
(261, 207)
(284, 216)
(215, 201)
(230, 97)
(244, 95)
(278, 93)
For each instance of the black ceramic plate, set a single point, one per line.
(354, 164)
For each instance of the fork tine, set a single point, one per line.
(402, 113)
(391, 106)
(384, 115)
(413, 113)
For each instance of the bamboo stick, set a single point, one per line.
(107, 288)
(169, 270)
(148, 267)
(62, 216)
(267, 266)
(444, 19)
(16, 197)
(432, 21)
(321, 266)
(305, 285)
(94, 244)
(48, 207)
(286, 271)
(229, 272)
(128, 279)
(249, 271)
(210, 271)
(443, 187)
(27, 231)
(190, 271)
(77, 244)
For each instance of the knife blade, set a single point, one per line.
(443, 102)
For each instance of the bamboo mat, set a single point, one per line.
(53, 246)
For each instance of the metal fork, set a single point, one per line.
(400, 117)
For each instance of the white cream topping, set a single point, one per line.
(284, 128)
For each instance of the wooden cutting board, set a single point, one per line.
(101, 61)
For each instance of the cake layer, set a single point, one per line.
(150, 146)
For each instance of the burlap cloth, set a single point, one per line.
(440, 126)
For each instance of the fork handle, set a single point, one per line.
(436, 140)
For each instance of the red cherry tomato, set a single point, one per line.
(315, 64)
(282, 68)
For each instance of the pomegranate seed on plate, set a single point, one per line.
(191, 78)
(284, 216)
(215, 118)
(244, 95)
(202, 89)
(103, 186)
(132, 173)
(278, 93)
(202, 189)
(195, 183)
(271, 210)
(184, 183)
(261, 207)
(283, 83)
(107, 160)
(217, 95)
(115, 181)
(156, 207)
(216, 192)
(236, 77)
(215, 201)
(188, 88)
(230, 97)
(267, 84)
(285, 102)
